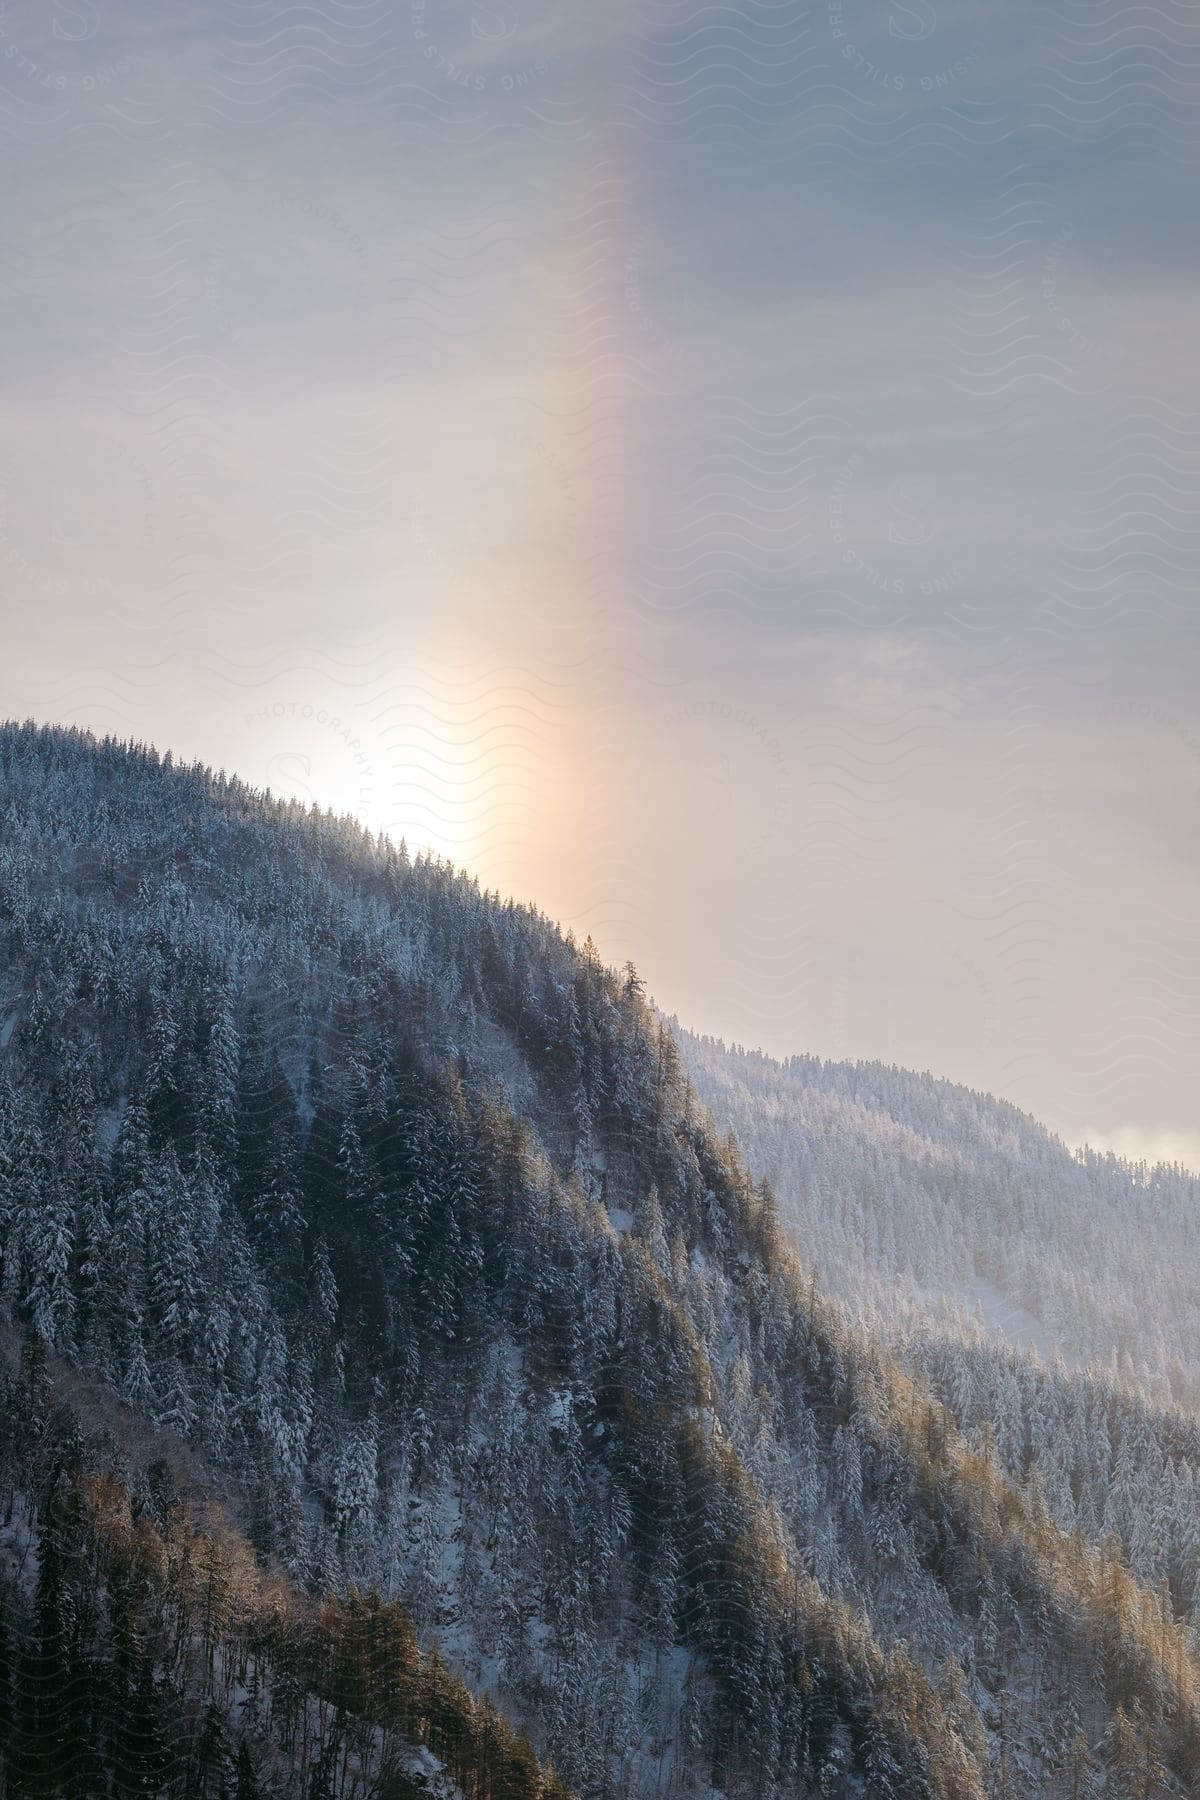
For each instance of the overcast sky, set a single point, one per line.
(726, 474)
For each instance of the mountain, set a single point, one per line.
(394, 1207)
(916, 1196)
(1045, 1297)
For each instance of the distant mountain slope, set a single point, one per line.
(904, 1189)
(391, 1198)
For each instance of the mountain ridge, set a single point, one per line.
(517, 1335)
(901, 1184)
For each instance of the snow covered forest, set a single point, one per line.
(1049, 1299)
(914, 1198)
(386, 1217)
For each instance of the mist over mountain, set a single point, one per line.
(915, 1197)
(384, 1215)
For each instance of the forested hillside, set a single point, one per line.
(397, 1205)
(916, 1197)
(143, 1650)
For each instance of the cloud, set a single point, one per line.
(770, 469)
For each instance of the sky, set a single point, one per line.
(725, 474)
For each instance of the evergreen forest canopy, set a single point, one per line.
(389, 1218)
(1049, 1299)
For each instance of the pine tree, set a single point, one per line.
(49, 1247)
(1078, 1769)
(7, 1611)
(246, 1778)
(211, 1761)
(46, 1676)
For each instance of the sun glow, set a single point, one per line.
(472, 766)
